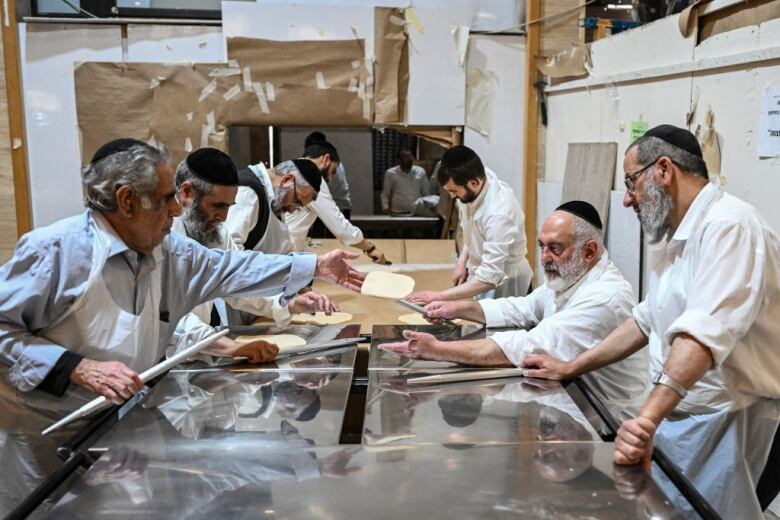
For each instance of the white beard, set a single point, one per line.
(568, 273)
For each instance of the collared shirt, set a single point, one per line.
(243, 215)
(401, 189)
(325, 208)
(194, 326)
(494, 233)
(568, 323)
(718, 279)
(339, 188)
(50, 267)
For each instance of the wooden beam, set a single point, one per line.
(13, 81)
(533, 11)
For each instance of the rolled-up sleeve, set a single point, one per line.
(642, 317)
(500, 236)
(523, 312)
(326, 209)
(28, 302)
(727, 291)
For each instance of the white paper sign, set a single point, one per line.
(769, 123)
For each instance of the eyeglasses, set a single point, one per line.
(629, 180)
(296, 201)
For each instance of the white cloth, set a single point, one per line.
(242, 217)
(569, 323)
(195, 326)
(339, 188)
(325, 208)
(718, 279)
(494, 236)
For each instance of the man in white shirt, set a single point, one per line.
(403, 184)
(584, 298)
(255, 222)
(492, 262)
(710, 320)
(338, 184)
(326, 157)
(206, 185)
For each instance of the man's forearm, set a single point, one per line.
(688, 361)
(624, 341)
(480, 352)
(469, 289)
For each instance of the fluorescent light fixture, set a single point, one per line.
(625, 7)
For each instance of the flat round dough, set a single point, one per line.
(387, 285)
(320, 318)
(280, 340)
(370, 268)
(415, 318)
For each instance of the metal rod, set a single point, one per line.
(119, 21)
(474, 375)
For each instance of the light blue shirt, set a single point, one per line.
(51, 265)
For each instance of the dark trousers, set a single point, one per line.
(769, 483)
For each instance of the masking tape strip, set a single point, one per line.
(247, 74)
(353, 85)
(221, 73)
(397, 20)
(320, 80)
(261, 100)
(356, 64)
(411, 17)
(207, 90)
(270, 91)
(188, 145)
(231, 93)
(233, 64)
(154, 83)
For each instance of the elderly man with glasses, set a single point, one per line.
(710, 320)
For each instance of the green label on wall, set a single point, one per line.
(638, 129)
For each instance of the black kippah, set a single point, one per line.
(117, 145)
(457, 156)
(582, 209)
(679, 137)
(213, 166)
(310, 172)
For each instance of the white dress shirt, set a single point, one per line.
(326, 209)
(400, 189)
(568, 323)
(339, 188)
(494, 235)
(718, 279)
(194, 326)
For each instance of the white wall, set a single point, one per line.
(501, 147)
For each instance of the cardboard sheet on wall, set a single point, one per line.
(590, 168)
(391, 65)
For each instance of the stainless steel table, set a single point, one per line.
(486, 412)
(539, 480)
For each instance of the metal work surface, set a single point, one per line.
(222, 480)
(515, 410)
(227, 407)
(382, 360)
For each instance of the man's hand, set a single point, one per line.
(460, 274)
(111, 379)
(419, 346)
(437, 311)
(257, 351)
(117, 464)
(425, 297)
(634, 442)
(544, 366)
(332, 267)
(377, 256)
(312, 302)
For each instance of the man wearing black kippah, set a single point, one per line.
(492, 262)
(582, 300)
(710, 320)
(206, 184)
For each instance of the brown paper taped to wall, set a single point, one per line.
(313, 83)
(572, 62)
(391, 70)
(742, 14)
(709, 140)
(114, 100)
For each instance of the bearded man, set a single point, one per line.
(582, 301)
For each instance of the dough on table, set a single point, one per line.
(387, 285)
(283, 341)
(320, 318)
(415, 318)
(370, 268)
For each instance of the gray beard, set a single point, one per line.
(568, 273)
(197, 228)
(654, 211)
(279, 194)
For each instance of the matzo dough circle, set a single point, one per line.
(280, 340)
(387, 285)
(320, 318)
(370, 268)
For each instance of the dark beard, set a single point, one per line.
(469, 197)
(197, 228)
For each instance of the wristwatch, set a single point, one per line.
(370, 249)
(667, 380)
